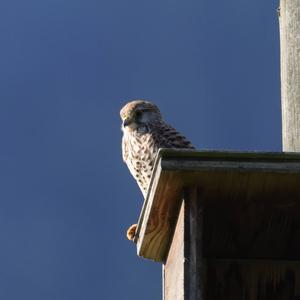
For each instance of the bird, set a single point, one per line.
(144, 133)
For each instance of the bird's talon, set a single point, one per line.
(131, 231)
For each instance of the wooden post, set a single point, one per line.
(289, 19)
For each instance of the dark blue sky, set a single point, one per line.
(66, 68)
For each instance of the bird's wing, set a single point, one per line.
(168, 137)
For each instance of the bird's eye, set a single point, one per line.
(138, 114)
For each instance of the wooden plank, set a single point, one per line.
(187, 154)
(173, 269)
(183, 269)
(194, 268)
(158, 229)
(254, 197)
(289, 21)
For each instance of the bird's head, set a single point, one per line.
(139, 113)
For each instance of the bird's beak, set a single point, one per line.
(126, 122)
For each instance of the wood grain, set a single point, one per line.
(175, 263)
(289, 20)
(252, 280)
(193, 244)
(251, 203)
(183, 268)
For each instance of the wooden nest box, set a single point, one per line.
(225, 225)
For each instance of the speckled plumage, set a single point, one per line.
(144, 133)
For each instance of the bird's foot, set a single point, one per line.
(131, 232)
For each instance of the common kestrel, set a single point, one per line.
(144, 133)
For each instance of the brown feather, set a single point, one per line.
(140, 145)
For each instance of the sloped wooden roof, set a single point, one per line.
(252, 203)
